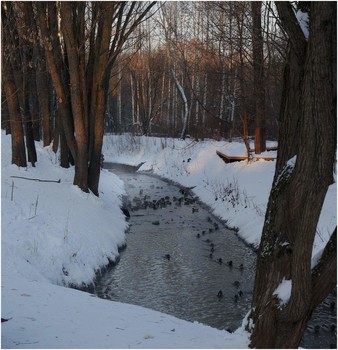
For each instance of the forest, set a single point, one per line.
(176, 69)
(73, 72)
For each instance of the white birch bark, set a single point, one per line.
(185, 103)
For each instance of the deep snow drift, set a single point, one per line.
(54, 234)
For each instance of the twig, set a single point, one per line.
(27, 178)
(12, 191)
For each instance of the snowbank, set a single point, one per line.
(61, 232)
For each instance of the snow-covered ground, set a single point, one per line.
(53, 235)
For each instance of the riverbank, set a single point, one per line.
(52, 235)
(237, 193)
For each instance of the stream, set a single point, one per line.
(183, 261)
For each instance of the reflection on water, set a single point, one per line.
(176, 261)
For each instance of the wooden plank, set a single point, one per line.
(230, 159)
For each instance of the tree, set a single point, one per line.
(9, 52)
(303, 174)
(93, 35)
(259, 86)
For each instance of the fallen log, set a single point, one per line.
(27, 178)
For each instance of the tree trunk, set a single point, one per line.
(185, 104)
(298, 193)
(30, 145)
(53, 54)
(81, 162)
(18, 144)
(43, 91)
(259, 86)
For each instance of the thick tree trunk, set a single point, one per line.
(95, 159)
(76, 91)
(297, 196)
(18, 144)
(53, 56)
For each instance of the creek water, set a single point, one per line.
(183, 261)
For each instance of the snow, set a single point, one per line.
(303, 21)
(54, 235)
(283, 292)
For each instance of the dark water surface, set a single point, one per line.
(172, 261)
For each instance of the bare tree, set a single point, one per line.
(93, 35)
(9, 52)
(259, 86)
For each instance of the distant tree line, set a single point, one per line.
(207, 69)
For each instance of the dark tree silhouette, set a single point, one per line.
(300, 185)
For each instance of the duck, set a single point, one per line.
(210, 255)
(241, 267)
(212, 249)
(240, 293)
(167, 256)
(220, 261)
(329, 328)
(125, 211)
(313, 329)
(198, 235)
(220, 294)
(229, 263)
(236, 284)
(236, 298)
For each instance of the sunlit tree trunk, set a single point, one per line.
(18, 145)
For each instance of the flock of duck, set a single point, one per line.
(144, 201)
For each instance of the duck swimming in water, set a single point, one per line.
(220, 294)
(167, 256)
(236, 284)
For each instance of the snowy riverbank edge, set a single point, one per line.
(47, 239)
